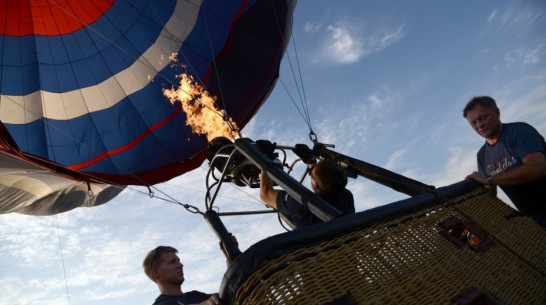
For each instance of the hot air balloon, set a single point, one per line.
(82, 106)
(83, 113)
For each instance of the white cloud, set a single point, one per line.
(312, 26)
(17, 291)
(515, 19)
(389, 37)
(395, 158)
(520, 58)
(346, 42)
(520, 16)
(460, 163)
(369, 194)
(343, 46)
(492, 16)
(376, 102)
(344, 123)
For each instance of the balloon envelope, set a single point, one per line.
(81, 80)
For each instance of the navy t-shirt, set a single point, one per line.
(182, 299)
(517, 141)
(302, 217)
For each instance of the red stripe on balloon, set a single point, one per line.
(49, 18)
(147, 132)
(127, 146)
(228, 42)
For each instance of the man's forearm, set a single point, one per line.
(267, 193)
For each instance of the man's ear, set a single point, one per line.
(154, 273)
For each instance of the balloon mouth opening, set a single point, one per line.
(235, 168)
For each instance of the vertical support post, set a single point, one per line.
(222, 233)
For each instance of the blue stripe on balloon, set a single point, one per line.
(115, 126)
(85, 58)
(121, 35)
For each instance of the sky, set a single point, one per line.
(384, 81)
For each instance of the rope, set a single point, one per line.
(255, 202)
(214, 62)
(190, 208)
(304, 100)
(62, 259)
(302, 96)
(295, 104)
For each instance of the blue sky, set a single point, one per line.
(385, 82)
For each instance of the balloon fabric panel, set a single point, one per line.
(87, 94)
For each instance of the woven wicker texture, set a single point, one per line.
(406, 261)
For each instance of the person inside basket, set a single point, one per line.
(512, 157)
(328, 180)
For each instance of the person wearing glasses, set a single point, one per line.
(328, 180)
(163, 266)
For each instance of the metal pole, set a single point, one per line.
(222, 233)
(380, 175)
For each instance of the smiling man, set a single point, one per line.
(513, 157)
(163, 266)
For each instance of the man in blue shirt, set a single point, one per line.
(328, 180)
(513, 157)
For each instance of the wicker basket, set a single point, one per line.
(442, 248)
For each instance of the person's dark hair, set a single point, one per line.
(330, 177)
(153, 258)
(486, 101)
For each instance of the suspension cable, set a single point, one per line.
(304, 99)
(301, 93)
(62, 259)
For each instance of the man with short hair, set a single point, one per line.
(163, 266)
(513, 157)
(328, 180)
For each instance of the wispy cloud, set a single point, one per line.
(492, 16)
(17, 291)
(522, 57)
(344, 122)
(343, 46)
(388, 37)
(395, 158)
(517, 19)
(530, 107)
(346, 42)
(460, 163)
(312, 26)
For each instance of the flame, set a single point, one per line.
(202, 115)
